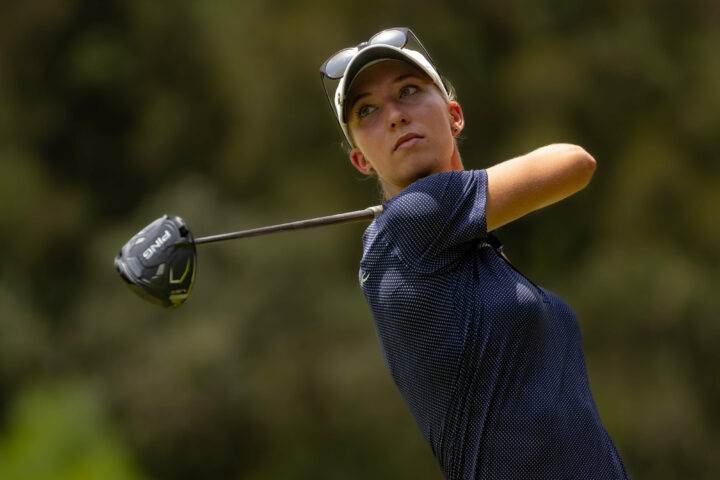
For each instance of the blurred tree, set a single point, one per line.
(61, 431)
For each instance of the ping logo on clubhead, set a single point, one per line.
(159, 242)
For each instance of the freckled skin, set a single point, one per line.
(395, 100)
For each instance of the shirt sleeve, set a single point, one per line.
(434, 221)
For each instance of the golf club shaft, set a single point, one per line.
(368, 213)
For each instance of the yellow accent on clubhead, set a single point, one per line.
(182, 277)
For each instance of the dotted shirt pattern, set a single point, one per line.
(489, 364)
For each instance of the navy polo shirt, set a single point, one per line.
(490, 365)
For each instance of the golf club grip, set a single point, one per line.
(368, 213)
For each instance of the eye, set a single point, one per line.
(408, 90)
(364, 111)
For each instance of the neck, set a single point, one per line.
(455, 160)
(390, 190)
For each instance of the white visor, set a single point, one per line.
(370, 55)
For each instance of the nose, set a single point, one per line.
(396, 116)
(401, 121)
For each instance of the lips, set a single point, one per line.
(407, 141)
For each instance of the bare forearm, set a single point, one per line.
(544, 176)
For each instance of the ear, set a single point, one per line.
(457, 120)
(360, 162)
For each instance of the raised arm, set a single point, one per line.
(517, 187)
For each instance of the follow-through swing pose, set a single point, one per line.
(490, 365)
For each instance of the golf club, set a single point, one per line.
(159, 262)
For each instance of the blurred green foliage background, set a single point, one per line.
(113, 113)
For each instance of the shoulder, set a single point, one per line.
(429, 194)
(431, 223)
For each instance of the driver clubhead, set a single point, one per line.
(159, 262)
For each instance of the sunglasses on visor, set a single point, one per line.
(336, 65)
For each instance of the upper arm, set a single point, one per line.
(517, 187)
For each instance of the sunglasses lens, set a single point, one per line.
(395, 38)
(337, 64)
(335, 67)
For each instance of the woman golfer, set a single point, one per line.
(490, 365)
